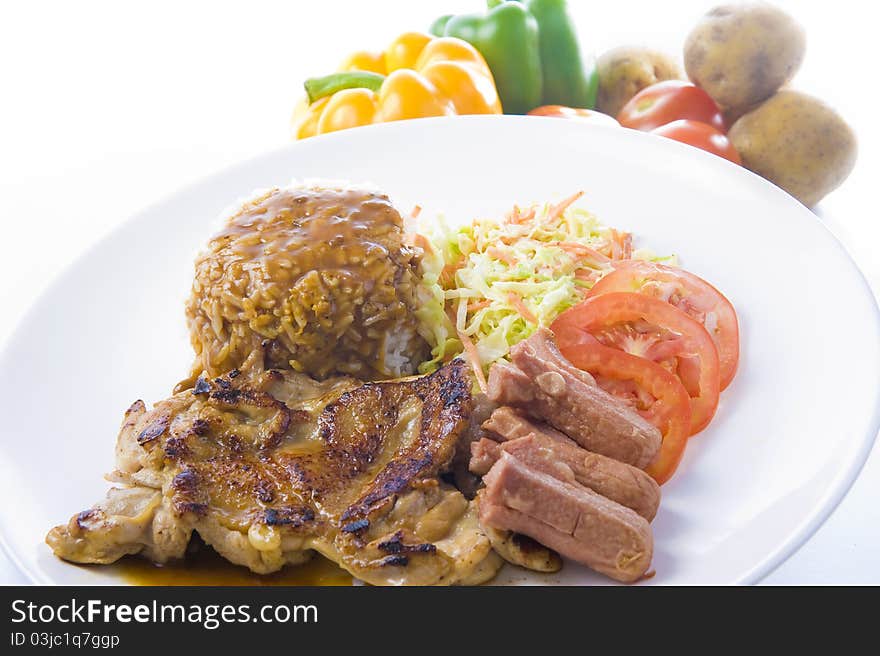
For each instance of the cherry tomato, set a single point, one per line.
(690, 294)
(670, 101)
(560, 111)
(656, 331)
(648, 388)
(702, 136)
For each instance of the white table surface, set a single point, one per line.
(107, 107)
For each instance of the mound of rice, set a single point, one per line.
(319, 278)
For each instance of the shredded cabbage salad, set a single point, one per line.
(491, 284)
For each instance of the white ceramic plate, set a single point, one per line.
(791, 432)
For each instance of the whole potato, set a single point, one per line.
(797, 142)
(733, 114)
(625, 71)
(742, 54)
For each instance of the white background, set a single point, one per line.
(106, 107)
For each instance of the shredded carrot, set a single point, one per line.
(521, 307)
(582, 251)
(416, 211)
(517, 216)
(620, 245)
(447, 275)
(627, 246)
(590, 275)
(422, 242)
(556, 210)
(504, 256)
(478, 305)
(473, 357)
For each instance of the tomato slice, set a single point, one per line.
(656, 331)
(652, 391)
(690, 294)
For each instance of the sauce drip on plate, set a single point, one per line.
(207, 568)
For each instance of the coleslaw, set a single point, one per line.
(490, 284)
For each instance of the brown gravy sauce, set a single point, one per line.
(291, 232)
(207, 568)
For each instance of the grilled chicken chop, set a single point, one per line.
(268, 465)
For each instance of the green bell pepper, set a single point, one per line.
(507, 37)
(438, 27)
(533, 51)
(567, 80)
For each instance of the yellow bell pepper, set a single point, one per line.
(416, 76)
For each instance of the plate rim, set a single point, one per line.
(796, 538)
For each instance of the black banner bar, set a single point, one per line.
(364, 619)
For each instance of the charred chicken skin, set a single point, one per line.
(270, 466)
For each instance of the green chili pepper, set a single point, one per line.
(507, 36)
(533, 51)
